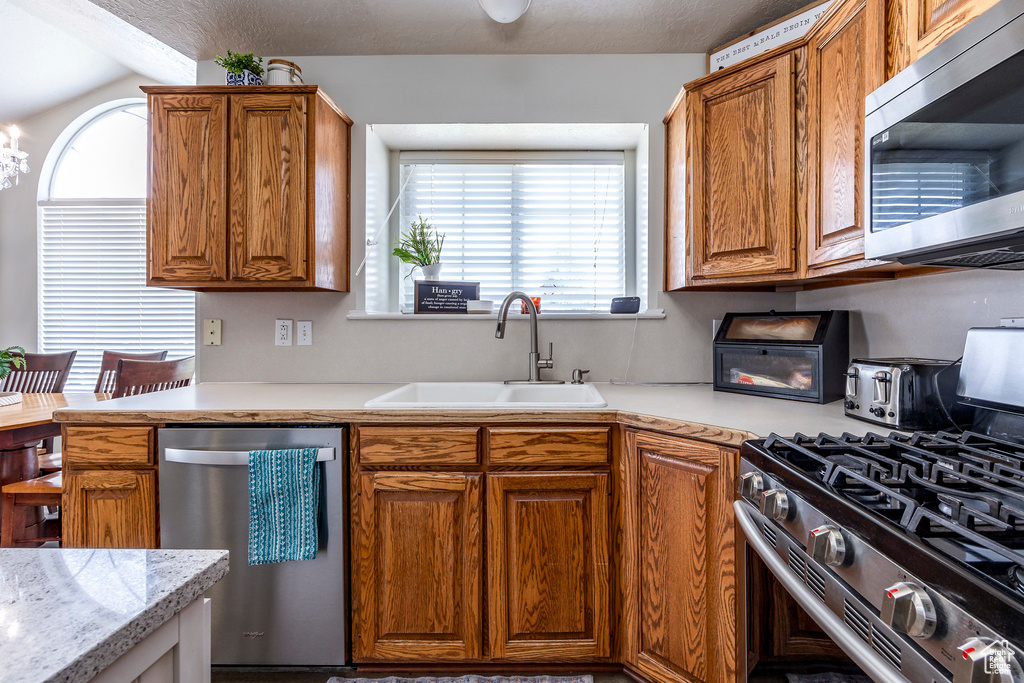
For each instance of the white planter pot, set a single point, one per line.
(432, 272)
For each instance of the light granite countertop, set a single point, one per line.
(67, 614)
(694, 410)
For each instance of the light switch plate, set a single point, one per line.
(304, 333)
(211, 332)
(282, 333)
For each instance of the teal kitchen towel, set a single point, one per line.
(284, 497)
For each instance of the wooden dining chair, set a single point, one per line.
(44, 373)
(108, 367)
(20, 521)
(136, 377)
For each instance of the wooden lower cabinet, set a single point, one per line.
(678, 559)
(109, 509)
(110, 487)
(416, 567)
(547, 566)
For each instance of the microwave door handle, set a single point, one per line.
(189, 456)
(874, 666)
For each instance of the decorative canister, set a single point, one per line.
(245, 78)
(283, 72)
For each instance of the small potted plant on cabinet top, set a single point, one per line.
(242, 69)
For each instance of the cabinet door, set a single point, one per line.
(914, 27)
(741, 135)
(416, 567)
(547, 566)
(269, 236)
(188, 203)
(679, 564)
(844, 65)
(677, 196)
(109, 509)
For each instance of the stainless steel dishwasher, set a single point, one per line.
(288, 613)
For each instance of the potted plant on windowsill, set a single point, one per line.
(11, 358)
(421, 247)
(242, 69)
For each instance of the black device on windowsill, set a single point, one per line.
(625, 304)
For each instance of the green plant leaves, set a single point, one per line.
(421, 245)
(237, 63)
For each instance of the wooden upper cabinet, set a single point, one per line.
(845, 63)
(249, 188)
(914, 27)
(678, 559)
(416, 567)
(268, 187)
(741, 175)
(548, 585)
(188, 210)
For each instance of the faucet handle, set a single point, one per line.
(547, 362)
(577, 375)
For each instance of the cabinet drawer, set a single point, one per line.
(549, 445)
(108, 446)
(418, 446)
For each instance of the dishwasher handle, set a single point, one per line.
(190, 456)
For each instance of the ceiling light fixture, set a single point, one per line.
(505, 11)
(13, 161)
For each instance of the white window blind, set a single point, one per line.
(906, 191)
(550, 228)
(92, 288)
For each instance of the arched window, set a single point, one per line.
(92, 248)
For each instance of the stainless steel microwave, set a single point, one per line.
(944, 145)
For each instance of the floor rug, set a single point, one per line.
(469, 679)
(826, 678)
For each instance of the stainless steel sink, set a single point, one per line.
(489, 395)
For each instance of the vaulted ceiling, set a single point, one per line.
(201, 29)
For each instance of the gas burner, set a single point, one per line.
(1016, 577)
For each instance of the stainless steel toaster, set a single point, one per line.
(903, 393)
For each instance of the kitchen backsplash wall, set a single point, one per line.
(478, 89)
(925, 316)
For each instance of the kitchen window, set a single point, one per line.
(92, 248)
(548, 224)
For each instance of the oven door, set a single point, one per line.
(808, 585)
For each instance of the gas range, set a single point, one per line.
(911, 542)
(908, 550)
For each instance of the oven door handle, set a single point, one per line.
(859, 651)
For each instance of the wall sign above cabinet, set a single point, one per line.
(788, 28)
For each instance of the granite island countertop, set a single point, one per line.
(67, 614)
(687, 410)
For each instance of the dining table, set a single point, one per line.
(23, 425)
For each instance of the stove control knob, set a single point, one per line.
(827, 545)
(751, 485)
(983, 660)
(907, 608)
(775, 504)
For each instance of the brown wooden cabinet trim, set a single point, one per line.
(108, 446)
(592, 640)
(548, 446)
(372, 557)
(426, 445)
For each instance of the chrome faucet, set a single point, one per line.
(536, 362)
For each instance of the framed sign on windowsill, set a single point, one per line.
(436, 296)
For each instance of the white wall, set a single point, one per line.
(924, 316)
(18, 224)
(478, 89)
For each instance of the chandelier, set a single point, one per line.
(13, 161)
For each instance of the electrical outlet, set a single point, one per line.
(211, 332)
(282, 332)
(304, 333)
